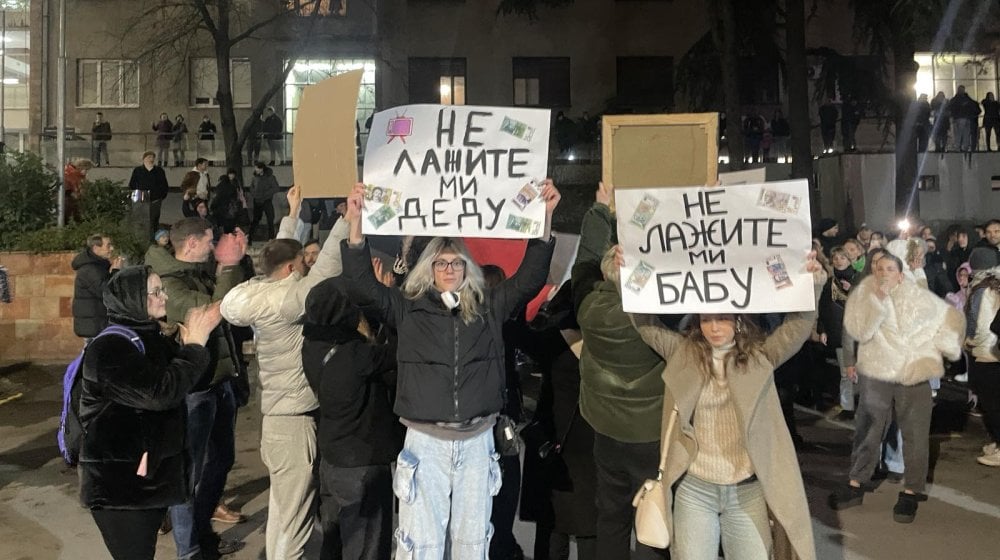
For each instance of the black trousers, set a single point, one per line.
(550, 545)
(984, 379)
(154, 216)
(129, 534)
(505, 509)
(263, 208)
(356, 512)
(621, 470)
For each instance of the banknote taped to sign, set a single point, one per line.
(716, 249)
(456, 171)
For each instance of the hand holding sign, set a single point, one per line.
(605, 194)
(355, 204)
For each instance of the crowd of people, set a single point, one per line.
(394, 372)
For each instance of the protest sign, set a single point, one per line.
(745, 177)
(324, 159)
(672, 150)
(456, 171)
(716, 249)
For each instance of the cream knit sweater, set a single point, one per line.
(722, 453)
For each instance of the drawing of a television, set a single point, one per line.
(400, 126)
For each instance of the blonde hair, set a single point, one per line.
(748, 338)
(609, 268)
(83, 164)
(421, 276)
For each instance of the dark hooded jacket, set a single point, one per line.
(92, 274)
(449, 371)
(354, 380)
(132, 404)
(264, 187)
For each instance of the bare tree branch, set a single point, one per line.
(206, 16)
(253, 28)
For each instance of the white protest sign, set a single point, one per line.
(456, 171)
(738, 249)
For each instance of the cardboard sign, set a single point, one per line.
(715, 249)
(324, 159)
(666, 150)
(456, 171)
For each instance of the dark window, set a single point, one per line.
(646, 81)
(437, 80)
(758, 80)
(541, 82)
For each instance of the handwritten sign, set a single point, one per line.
(716, 249)
(456, 171)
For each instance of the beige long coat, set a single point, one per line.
(758, 412)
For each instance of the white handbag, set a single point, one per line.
(650, 501)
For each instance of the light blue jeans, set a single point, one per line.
(445, 490)
(704, 512)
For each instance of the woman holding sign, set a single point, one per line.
(731, 457)
(450, 381)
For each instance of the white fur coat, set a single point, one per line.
(901, 338)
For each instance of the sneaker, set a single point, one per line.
(962, 378)
(990, 448)
(846, 497)
(990, 460)
(223, 514)
(905, 510)
(229, 547)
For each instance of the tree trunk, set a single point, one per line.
(907, 200)
(798, 91)
(725, 41)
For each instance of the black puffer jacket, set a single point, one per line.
(354, 385)
(131, 404)
(92, 273)
(449, 371)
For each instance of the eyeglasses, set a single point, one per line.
(457, 265)
(159, 292)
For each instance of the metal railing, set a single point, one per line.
(126, 148)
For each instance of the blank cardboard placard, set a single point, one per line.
(642, 151)
(324, 156)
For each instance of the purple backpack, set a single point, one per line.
(71, 430)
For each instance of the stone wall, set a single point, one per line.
(37, 325)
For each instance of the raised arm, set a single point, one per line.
(789, 337)
(596, 237)
(291, 227)
(363, 287)
(530, 276)
(662, 340)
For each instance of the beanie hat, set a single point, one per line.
(983, 258)
(825, 224)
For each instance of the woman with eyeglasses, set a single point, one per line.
(450, 382)
(132, 409)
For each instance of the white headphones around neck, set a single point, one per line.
(451, 300)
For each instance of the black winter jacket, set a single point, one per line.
(92, 273)
(448, 371)
(357, 427)
(131, 404)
